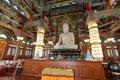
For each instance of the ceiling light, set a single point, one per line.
(86, 40)
(110, 39)
(95, 10)
(19, 38)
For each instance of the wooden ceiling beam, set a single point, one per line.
(17, 31)
(13, 21)
(64, 2)
(4, 9)
(56, 16)
(26, 13)
(115, 29)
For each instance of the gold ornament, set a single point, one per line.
(66, 19)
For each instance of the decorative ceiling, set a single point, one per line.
(24, 16)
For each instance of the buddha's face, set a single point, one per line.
(65, 28)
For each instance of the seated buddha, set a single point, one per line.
(66, 39)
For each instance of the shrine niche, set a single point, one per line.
(67, 39)
(73, 21)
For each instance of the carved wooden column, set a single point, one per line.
(95, 41)
(17, 52)
(110, 42)
(39, 42)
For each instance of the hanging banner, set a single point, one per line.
(30, 17)
(110, 3)
(89, 5)
(43, 14)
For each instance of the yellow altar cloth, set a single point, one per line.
(57, 74)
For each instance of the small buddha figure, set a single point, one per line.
(59, 57)
(66, 39)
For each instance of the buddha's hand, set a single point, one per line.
(58, 43)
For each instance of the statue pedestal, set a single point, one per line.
(67, 54)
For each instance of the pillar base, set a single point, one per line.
(98, 59)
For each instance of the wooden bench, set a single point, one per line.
(83, 70)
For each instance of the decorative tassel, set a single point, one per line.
(108, 4)
(48, 23)
(18, 15)
(30, 17)
(43, 14)
(22, 26)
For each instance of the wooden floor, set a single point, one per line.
(25, 78)
(18, 78)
